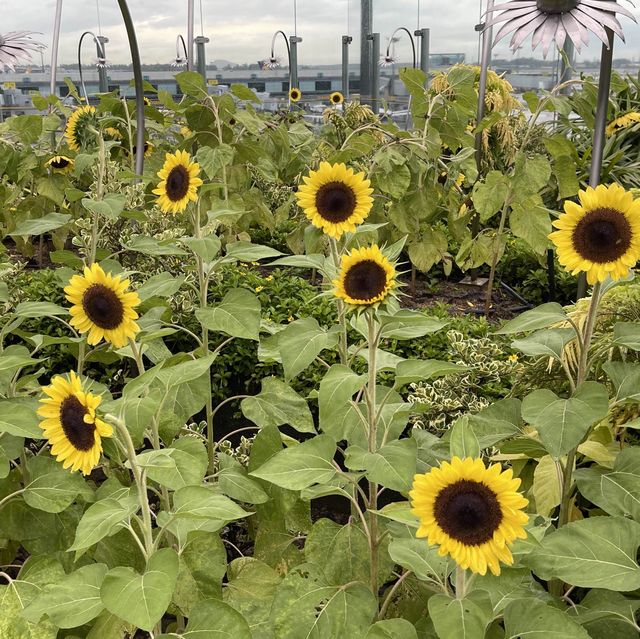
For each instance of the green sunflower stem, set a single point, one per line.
(141, 483)
(82, 349)
(343, 345)
(461, 582)
(583, 372)
(374, 541)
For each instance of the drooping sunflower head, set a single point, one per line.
(601, 235)
(623, 122)
(335, 199)
(78, 133)
(61, 164)
(102, 306)
(179, 182)
(336, 98)
(295, 95)
(111, 133)
(70, 423)
(366, 277)
(472, 512)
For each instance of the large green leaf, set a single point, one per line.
(392, 629)
(301, 465)
(307, 607)
(548, 342)
(563, 423)
(238, 315)
(418, 556)
(234, 482)
(51, 487)
(407, 324)
(71, 602)
(626, 379)
(531, 617)
(540, 317)
(41, 225)
(617, 491)
(183, 464)
(416, 370)
(213, 619)
(278, 404)
(460, 618)
(299, 344)
(19, 419)
(593, 553)
(607, 615)
(337, 388)
(142, 599)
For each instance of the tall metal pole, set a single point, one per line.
(54, 47)
(190, 35)
(602, 108)
(346, 41)
(375, 71)
(566, 64)
(201, 59)
(424, 35)
(138, 83)
(487, 43)
(293, 61)
(366, 27)
(103, 83)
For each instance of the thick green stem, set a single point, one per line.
(581, 377)
(461, 582)
(82, 346)
(343, 345)
(373, 446)
(141, 483)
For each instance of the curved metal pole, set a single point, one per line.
(413, 44)
(190, 36)
(179, 40)
(54, 47)
(286, 41)
(102, 53)
(138, 82)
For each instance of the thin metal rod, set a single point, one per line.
(346, 41)
(604, 87)
(179, 41)
(375, 71)
(101, 53)
(273, 54)
(295, 17)
(54, 47)
(201, 21)
(413, 44)
(138, 82)
(487, 43)
(366, 27)
(190, 36)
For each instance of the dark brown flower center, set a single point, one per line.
(468, 511)
(336, 99)
(557, 6)
(602, 235)
(103, 306)
(60, 163)
(77, 431)
(335, 201)
(177, 183)
(365, 280)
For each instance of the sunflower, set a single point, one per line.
(102, 306)
(335, 199)
(550, 20)
(179, 182)
(185, 131)
(336, 98)
(61, 164)
(77, 131)
(472, 512)
(366, 277)
(623, 122)
(70, 423)
(148, 149)
(111, 133)
(601, 235)
(295, 95)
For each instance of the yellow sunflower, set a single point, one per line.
(335, 199)
(295, 95)
(61, 164)
(103, 307)
(111, 133)
(472, 512)
(336, 98)
(601, 235)
(179, 182)
(366, 277)
(77, 131)
(185, 131)
(148, 149)
(623, 122)
(70, 423)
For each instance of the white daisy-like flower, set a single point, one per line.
(102, 63)
(178, 62)
(271, 63)
(17, 46)
(387, 60)
(555, 20)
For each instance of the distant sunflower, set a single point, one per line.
(472, 512)
(185, 131)
(111, 133)
(336, 98)
(61, 164)
(179, 182)
(335, 199)
(623, 122)
(601, 235)
(295, 95)
(77, 131)
(70, 423)
(148, 149)
(103, 307)
(366, 277)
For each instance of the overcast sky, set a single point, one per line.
(241, 30)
